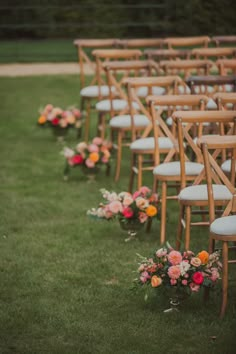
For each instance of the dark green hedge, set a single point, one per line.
(120, 18)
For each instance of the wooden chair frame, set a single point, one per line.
(201, 41)
(226, 66)
(206, 53)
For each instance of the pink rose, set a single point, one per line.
(198, 278)
(136, 194)
(214, 274)
(89, 163)
(77, 160)
(141, 203)
(142, 217)
(144, 277)
(174, 257)
(127, 199)
(144, 190)
(196, 262)
(174, 272)
(115, 207)
(55, 121)
(194, 287)
(93, 148)
(104, 159)
(184, 282)
(173, 281)
(128, 212)
(161, 252)
(97, 141)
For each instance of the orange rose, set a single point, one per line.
(42, 119)
(203, 256)
(151, 210)
(94, 156)
(156, 281)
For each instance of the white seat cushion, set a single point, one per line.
(211, 104)
(184, 90)
(173, 168)
(93, 91)
(199, 192)
(148, 143)
(203, 89)
(156, 90)
(226, 166)
(118, 105)
(225, 225)
(124, 121)
(229, 88)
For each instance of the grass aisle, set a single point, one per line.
(65, 279)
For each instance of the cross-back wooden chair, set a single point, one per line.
(119, 109)
(140, 43)
(185, 68)
(226, 66)
(167, 54)
(222, 229)
(143, 146)
(225, 100)
(200, 41)
(167, 170)
(223, 40)
(101, 89)
(214, 53)
(195, 196)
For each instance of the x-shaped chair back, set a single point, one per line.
(206, 53)
(224, 40)
(167, 54)
(210, 84)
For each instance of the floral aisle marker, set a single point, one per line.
(131, 210)
(89, 156)
(181, 273)
(60, 120)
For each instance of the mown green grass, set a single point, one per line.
(66, 280)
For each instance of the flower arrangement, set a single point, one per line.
(127, 207)
(185, 271)
(89, 156)
(60, 119)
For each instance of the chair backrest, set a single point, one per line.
(140, 43)
(170, 85)
(186, 67)
(225, 100)
(167, 54)
(223, 40)
(201, 41)
(206, 53)
(118, 72)
(170, 103)
(186, 120)
(226, 66)
(210, 149)
(209, 84)
(85, 59)
(106, 55)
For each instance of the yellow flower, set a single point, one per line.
(151, 210)
(203, 256)
(156, 281)
(42, 119)
(94, 156)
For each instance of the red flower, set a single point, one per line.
(198, 278)
(55, 121)
(128, 213)
(77, 159)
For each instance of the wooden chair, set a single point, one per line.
(101, 90)
(226, 66)
(214, 53)
(167, 54)
(185, 68)
(225, 100)
(195, 195)
(140, 43)
(131, 116)
(167, 172)
(223, 40)
(143, 145)
(200, 41)
(222, 229)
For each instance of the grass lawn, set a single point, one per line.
(66, 280)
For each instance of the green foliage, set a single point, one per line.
(65, 279)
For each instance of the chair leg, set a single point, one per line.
(132, 173)
(187, 226)
(118, 156)
(211, 246)
(180, 226)
(224, 278)
(140, 171)
(163, 212)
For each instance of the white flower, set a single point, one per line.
(68, 153)
(184, 267)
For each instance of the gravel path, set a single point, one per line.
(40, 69)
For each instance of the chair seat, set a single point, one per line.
(173, 168)
(124, 121)
(226, 166)
(199, 192)
(211, 104)
(203, 89)
(225, 226)
(155, 90)
(118, 105)
(184, 90)
(93, 91)
(148, 143)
